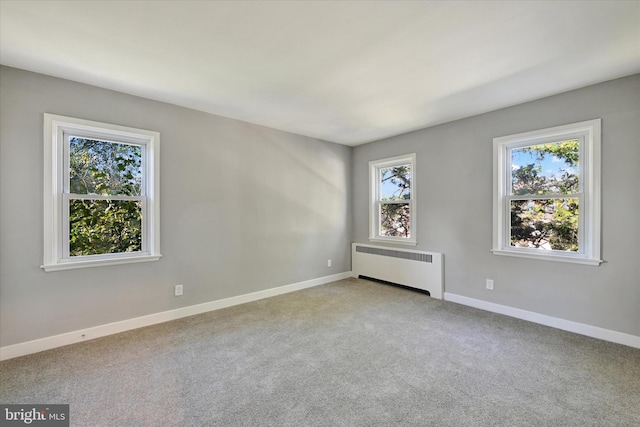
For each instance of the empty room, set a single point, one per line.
(319, 213)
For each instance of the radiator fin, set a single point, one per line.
(413, 256)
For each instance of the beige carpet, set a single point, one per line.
(350, 353)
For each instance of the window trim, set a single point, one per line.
(55, 161)
(589, 132)
(374, 199)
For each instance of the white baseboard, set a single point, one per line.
(554, 322)
(35, 346)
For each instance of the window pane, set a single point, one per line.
(545, 224)
(395, 183)
(106, 168)
(545, 168)
(395, 219)
(104, 227)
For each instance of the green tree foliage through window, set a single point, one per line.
(105, 207)
(544, 185)
(395, 195)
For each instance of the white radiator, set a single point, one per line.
(416, 269)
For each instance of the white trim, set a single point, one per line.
(374, 191)
(55, 227)
(100, 262)
(560, 257)
(47, 343)
(589, 133)
(542, 319)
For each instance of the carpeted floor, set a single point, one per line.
(350, 353)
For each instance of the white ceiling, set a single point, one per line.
(343, 71)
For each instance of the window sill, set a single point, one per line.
(71, 265)
(556, 258)
(407, 242)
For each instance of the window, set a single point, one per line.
(101, 198)
(547, 194)
(392, 207)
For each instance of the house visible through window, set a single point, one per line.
(547, 194)
(101, 194)
(392, 206)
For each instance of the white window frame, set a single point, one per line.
(375, 203)
(589, 135)
(56, 191)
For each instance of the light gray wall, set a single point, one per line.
(454, 168)
(243, 208)
(247, 208)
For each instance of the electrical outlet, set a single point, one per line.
(328, 263)
(178, 290)
(490, 284)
